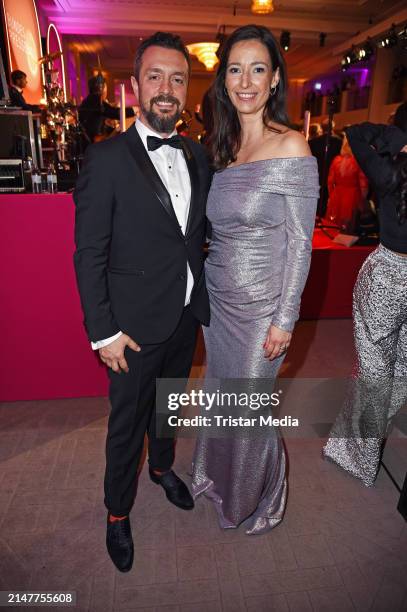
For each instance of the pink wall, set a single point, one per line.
(45, 352)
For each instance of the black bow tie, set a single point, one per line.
(154, 143)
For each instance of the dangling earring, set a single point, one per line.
(273, 90)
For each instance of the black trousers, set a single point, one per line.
(132, 398)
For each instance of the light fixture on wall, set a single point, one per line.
(206, 53)
(262, 7)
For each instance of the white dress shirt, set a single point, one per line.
(172, 168)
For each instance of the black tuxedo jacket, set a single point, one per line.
(17, 99)
(131, 255)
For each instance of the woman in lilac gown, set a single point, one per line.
(261, 208)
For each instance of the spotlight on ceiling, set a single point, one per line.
(390, 39)
(322, 39)
(349, 59)
(285, 40)
(358, 55)
(365, 52)
(403, 37)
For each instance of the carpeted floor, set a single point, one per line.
(341, 546)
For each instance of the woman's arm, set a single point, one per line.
(300, 221)
(299, 224)
(386, 139)
(300, 209)
(370, 144)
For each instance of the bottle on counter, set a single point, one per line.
(27, 171)
(52, 179)
(36, 179)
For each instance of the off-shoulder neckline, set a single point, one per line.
(256, 161)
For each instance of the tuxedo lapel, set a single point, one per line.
(149, 172)
(195, 186)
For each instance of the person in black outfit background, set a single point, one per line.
(317, 146)
(140, 230)
(18, 84)
(400, 117)
(379, 388)
(94, 110)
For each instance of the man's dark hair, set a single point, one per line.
(325, 125)
(16, 75)
(160, 39)
(95, 84)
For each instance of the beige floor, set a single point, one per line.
(340, 547)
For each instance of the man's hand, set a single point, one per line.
(277, 342)
(113, 354)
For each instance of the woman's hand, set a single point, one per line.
(277, 342)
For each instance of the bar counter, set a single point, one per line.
(45, 353)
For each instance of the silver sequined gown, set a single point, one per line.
(262, 215)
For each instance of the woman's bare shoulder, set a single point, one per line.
(294, 144)
(290, 143)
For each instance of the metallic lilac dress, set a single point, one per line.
(262, 215)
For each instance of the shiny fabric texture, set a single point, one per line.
(262, 215)
(378, 389)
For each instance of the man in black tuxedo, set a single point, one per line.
(18, 84)
(95, 110)
(332, 144)
(140, 229)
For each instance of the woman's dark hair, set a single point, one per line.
(160, 39)
(225, 140)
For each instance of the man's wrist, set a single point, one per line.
(105, 342)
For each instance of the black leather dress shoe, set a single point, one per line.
(175, 490)
(119, 543)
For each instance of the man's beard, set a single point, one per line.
(162, 123)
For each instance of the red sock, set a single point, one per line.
(113, 518)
